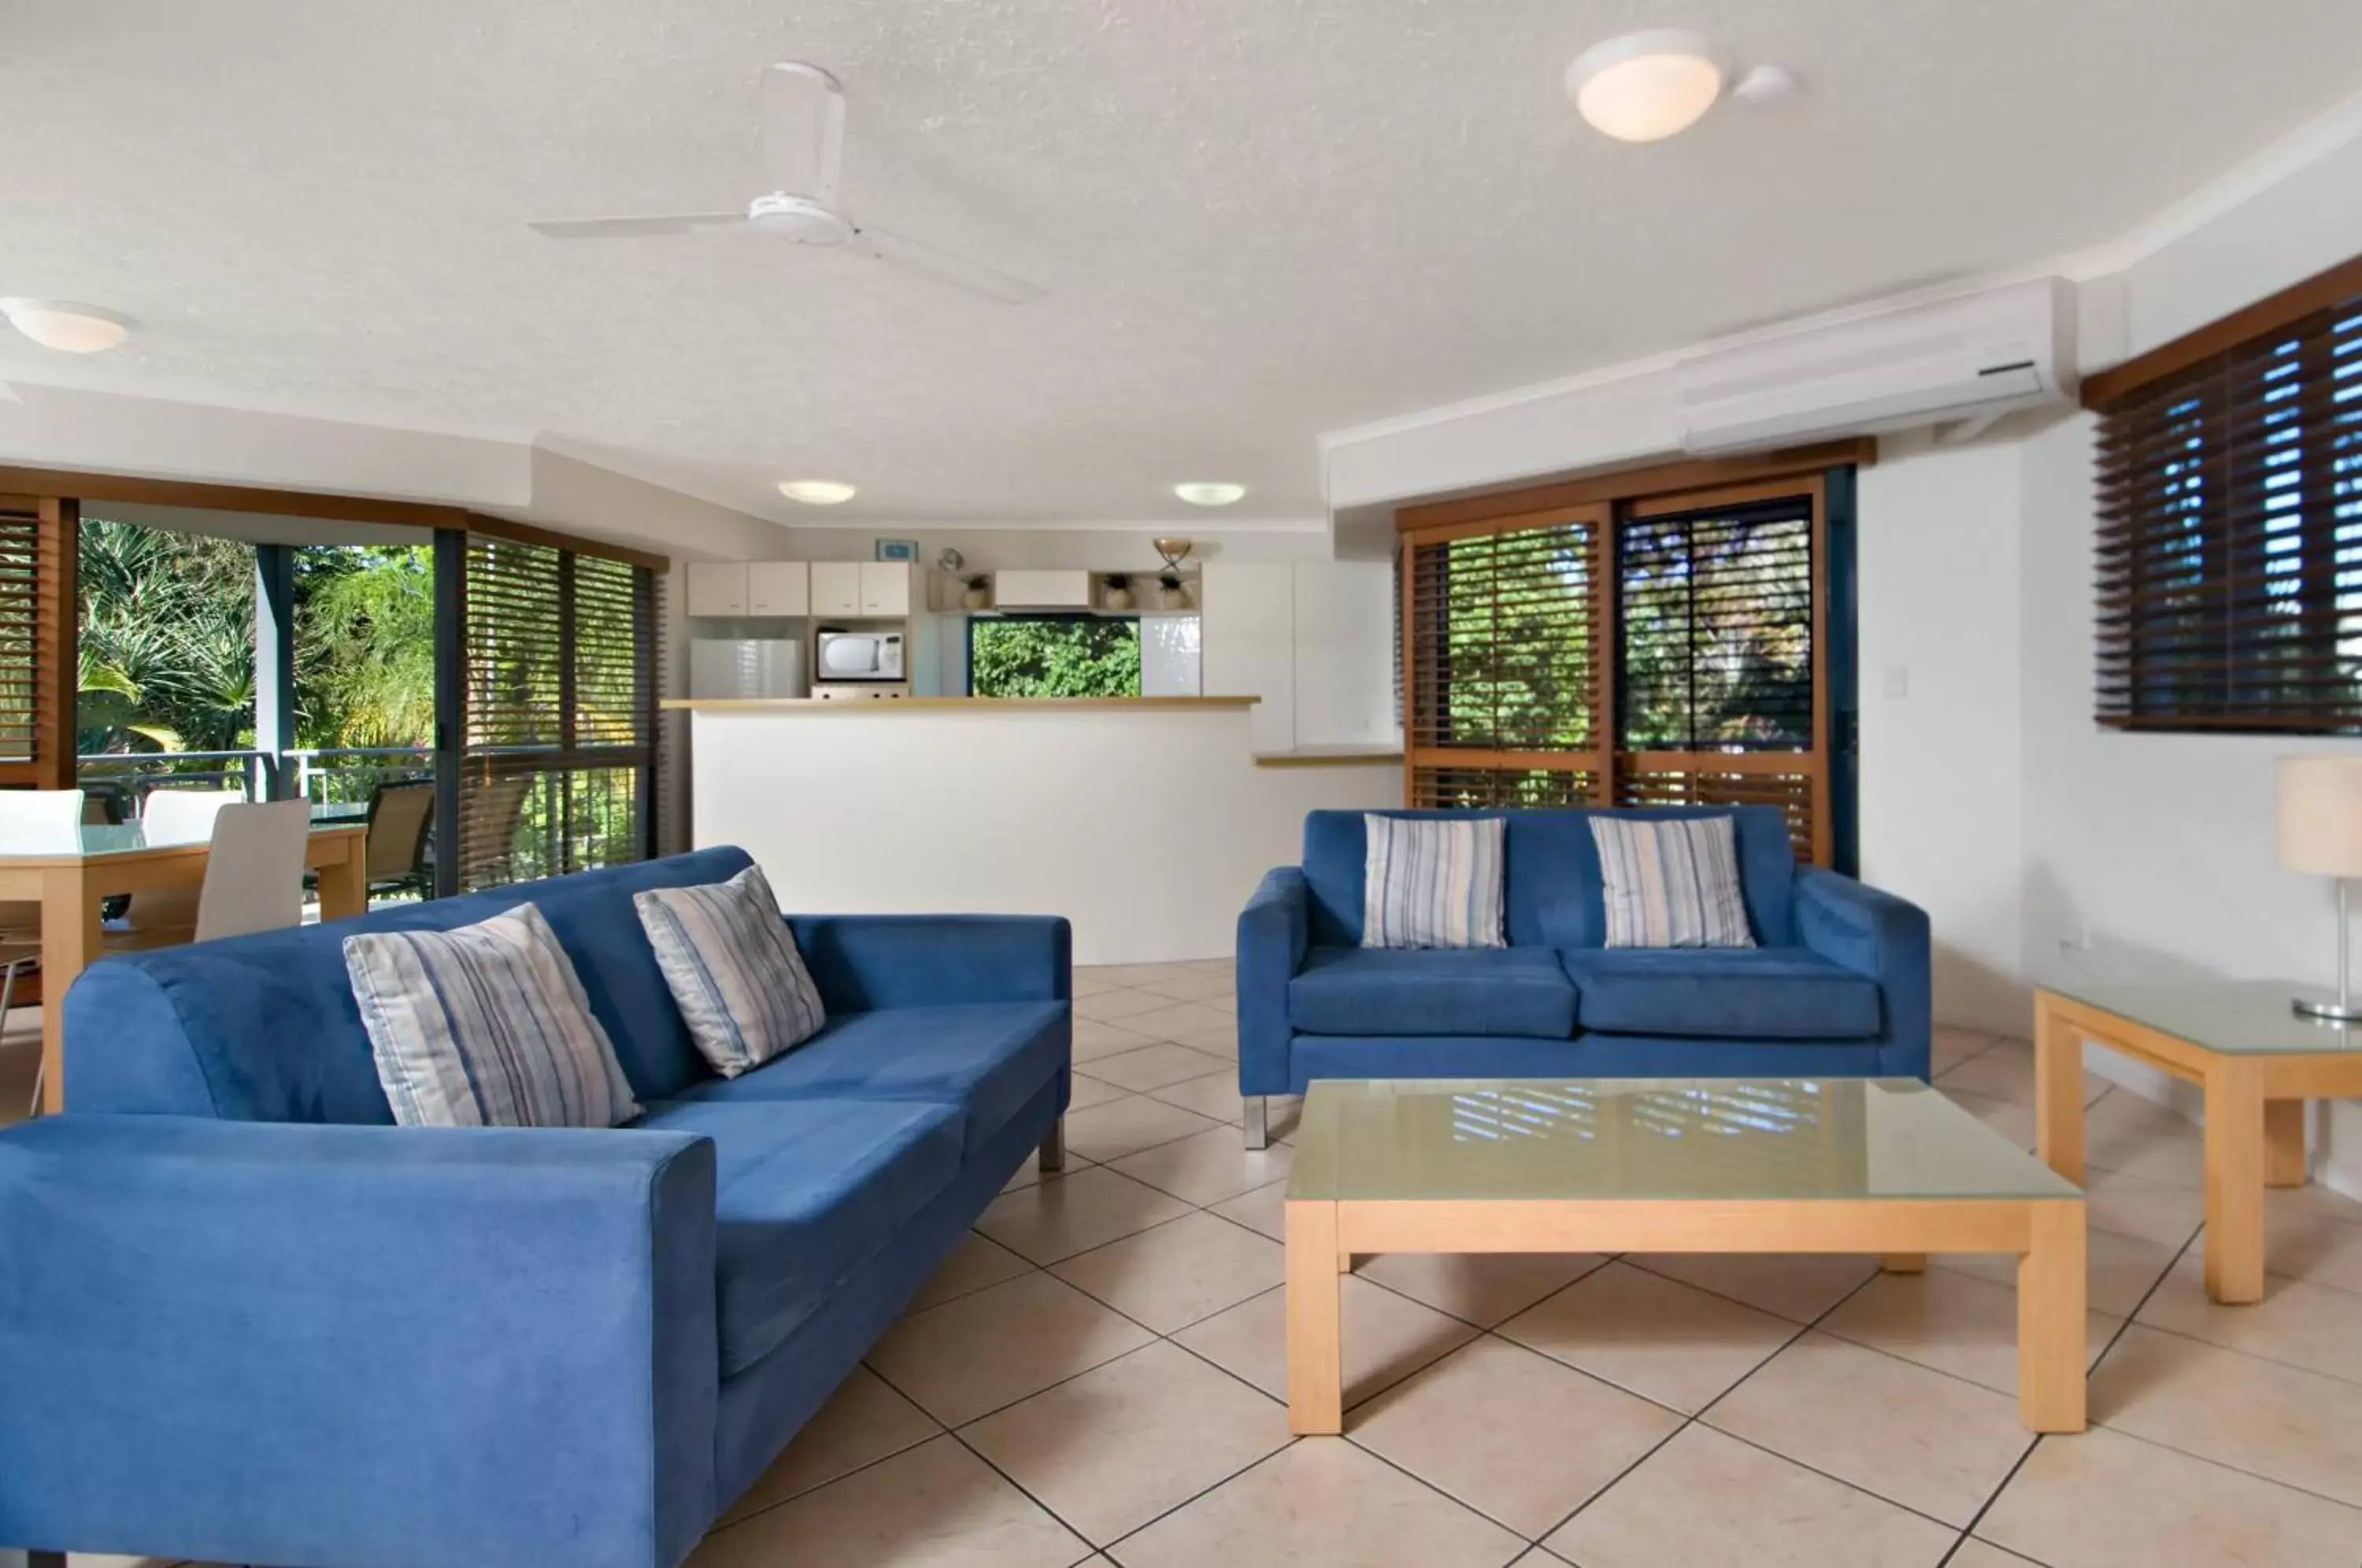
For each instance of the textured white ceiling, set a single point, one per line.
(1260, 219)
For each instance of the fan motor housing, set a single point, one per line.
(798, 218)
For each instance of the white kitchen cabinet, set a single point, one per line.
(717, 587)
(777, 588)
(836, 586)
(885, 588)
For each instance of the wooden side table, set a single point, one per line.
(2257, 1061)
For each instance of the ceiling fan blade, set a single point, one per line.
(803, 130)
(957, 270)
(630, 228)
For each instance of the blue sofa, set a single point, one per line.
(1839, 985)
(246, 1318)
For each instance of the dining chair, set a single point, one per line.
(30, 819)
(253, 879)
(175, 816)
(398, 816)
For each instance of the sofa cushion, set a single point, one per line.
(1431, 884)
(725, 952)
(985, 1058)
(1442, 991)
(485, 1026)
(805, 1192)
(1762, 993)
(264, 1028)
(1551, 896)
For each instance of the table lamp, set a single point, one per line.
(2317, 829)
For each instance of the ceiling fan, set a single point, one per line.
(803, 149)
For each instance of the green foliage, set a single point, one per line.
(167, 641)
(1053, 658)
(364, 646)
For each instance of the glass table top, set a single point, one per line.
(1652, 1138)
(98, 840)
(2249, 1018)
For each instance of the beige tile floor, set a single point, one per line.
(1094, 1375)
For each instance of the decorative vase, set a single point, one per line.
(1172, 598)
(1118, 598)
(975, 599)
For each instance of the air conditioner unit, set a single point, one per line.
(1974, 359)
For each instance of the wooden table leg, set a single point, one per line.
(344, 884)
(2235, 1180)
(2284, 1143)
(2050, 1324)
(2058, 1091)
(70, 942)
(1904, 1262)
(1315, 1372)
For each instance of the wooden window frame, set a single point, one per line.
(1606, 502)
(2156, 613)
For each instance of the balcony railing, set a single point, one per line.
(325, 775)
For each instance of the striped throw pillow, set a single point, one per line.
(1672, 882)
(732, 967)
(485, 1025)
(1431, 882)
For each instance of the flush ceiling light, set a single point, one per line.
(816, 493)
(65, 325)
(1646, 86)
(1207, 493)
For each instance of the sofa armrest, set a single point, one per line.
(1884, 937)
(861, 962)
(281, 1343)
(1274, 929)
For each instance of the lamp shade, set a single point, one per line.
(2317, 815)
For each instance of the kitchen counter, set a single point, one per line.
(1332, 756)
(916, 704)
(1147, 823)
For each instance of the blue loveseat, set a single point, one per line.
(246, 1318)
(1839, 985)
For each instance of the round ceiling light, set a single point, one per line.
(65, 325)
(1646, 86)
(817, 492)
(1208, 492)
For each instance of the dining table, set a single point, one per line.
(71, 874)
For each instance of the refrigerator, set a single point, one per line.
(747, 667)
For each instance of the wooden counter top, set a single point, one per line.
(1331, 757)
(803, 705)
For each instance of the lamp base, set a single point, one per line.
(2328, 1009)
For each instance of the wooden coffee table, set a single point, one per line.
(1884, 1165)
(2257, 1061)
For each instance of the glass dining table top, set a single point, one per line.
(93, 841)
(2237, 1018)
(1392, 1140)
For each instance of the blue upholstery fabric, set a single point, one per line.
(1552, 894)
(263, 1027)
(485, 1345)
(1876, 934)
(1273, 932)
(1736, 993)
(256, 1342)
(804, 1192)
(779, 1393)
(1841, 985)
(1585, 1056)
(986, 1060)
(1431, 991)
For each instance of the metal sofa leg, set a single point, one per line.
(1258, 1122)
(1054, 1147)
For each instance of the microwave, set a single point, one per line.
(858, 656)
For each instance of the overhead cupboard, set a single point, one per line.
(874, 590)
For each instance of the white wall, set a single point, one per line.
(1249, 647)
(1148, 829)
(1940, 762)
